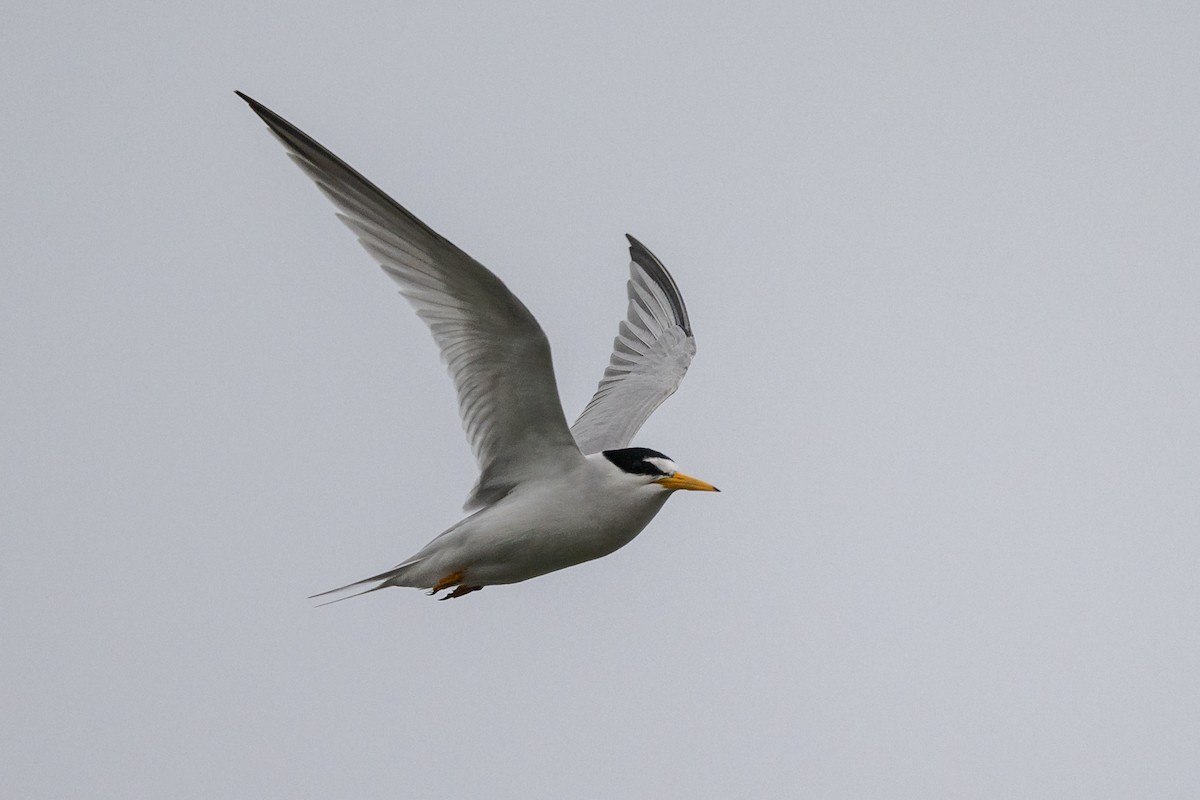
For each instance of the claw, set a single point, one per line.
(460, 591)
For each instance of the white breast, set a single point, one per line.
(545, 526)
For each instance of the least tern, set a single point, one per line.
(548, 496)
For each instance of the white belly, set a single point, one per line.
(548, 528)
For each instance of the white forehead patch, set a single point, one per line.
(664, 464)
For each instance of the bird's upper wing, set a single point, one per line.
(651, 354)
(495, 350)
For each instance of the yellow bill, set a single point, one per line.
(681, 481)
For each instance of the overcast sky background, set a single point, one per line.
(941, 261)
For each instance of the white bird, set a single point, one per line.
(548, 496)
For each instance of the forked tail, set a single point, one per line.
(390, 578)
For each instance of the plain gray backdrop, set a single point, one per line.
(941, 261)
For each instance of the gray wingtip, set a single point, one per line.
(642, 256)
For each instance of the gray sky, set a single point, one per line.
(942, 266)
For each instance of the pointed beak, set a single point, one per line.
(681, 481)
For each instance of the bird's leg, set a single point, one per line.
(447, 582)
(460, 591)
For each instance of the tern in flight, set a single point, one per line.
(548, 496)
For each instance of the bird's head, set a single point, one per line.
(654, 468)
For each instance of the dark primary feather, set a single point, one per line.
(651, 354)
(642, 256)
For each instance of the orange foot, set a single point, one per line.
(460, 591)
(447, 582)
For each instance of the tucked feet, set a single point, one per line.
(447, 582)
(460, 591)
(450, 580)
